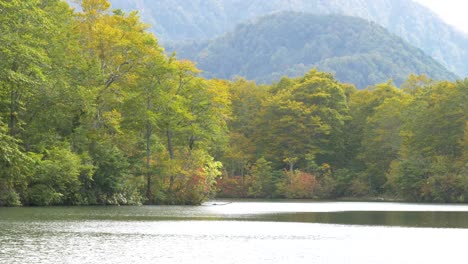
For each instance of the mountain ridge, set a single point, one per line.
(290, 43)
(178, 20)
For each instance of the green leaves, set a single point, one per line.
(303, 118)
(55, 179)
(23, 58)
(433, 134)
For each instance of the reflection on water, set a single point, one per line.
(238, 232)
(407, 219)
(352, 213)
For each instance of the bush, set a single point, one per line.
(8, 196)
(43, 195)
(445, 189)
(231, 187)
(408, 178)
(261, 180)
(56, 179)
(359, 187)
(111, 170)
(298, 185)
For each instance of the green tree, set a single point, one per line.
(119, 54)
(55, 180)
(304, 122)
(247, 100)
(262, 181)
(25, 30)
(432, 166)
(57, 108)
(116, 45)
(193, 117)
(366, 129)
(181, 118)
(381, 139)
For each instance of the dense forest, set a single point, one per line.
(92, 111)
(313, 137)
(178, 20)
(290, 44)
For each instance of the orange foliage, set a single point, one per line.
(232, 187)
(299, 184)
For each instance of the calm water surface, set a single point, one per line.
(237, 232)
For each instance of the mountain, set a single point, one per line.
(291, 43)
(176, 20)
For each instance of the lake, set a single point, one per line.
(237, 232)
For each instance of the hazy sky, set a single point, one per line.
(454, 12)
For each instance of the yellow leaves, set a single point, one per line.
(186, 68)
(95, 7)
(443, 92)
(415, 83)
(112, 120)
(117, 41)
(299, 108)
(220, 90)
(220, 97)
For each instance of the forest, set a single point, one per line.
(94, 112)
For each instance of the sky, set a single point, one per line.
(454, 12)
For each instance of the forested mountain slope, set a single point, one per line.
(291, 43)
(175, 20)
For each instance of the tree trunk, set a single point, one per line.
(13, 113)
(291, 167)
(149, 193)
(170, 149)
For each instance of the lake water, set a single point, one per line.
(237, 232)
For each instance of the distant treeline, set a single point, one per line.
(92, 111)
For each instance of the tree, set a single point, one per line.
(55, 180)
(181, 118)
(116, 46)
(56, 109)
(262, 182)
(366, 129)
(193, 117)
(120, 54)
(432, 166)
(243, 149)
(25, 30)
(381, 140)
(304, 122)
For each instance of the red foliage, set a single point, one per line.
(232, 187)
(300, 185)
